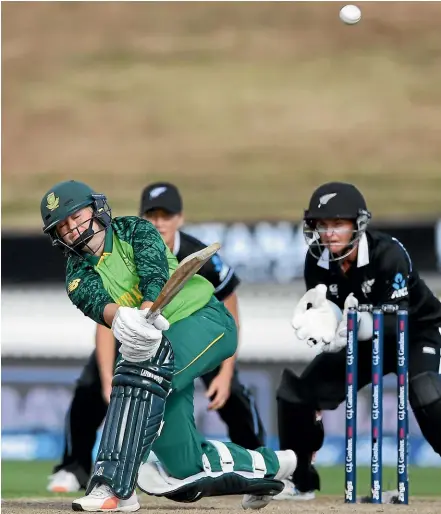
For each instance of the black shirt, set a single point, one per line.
(383, 274)
(223, 278)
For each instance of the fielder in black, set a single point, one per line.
(161, 204)
(347, 265)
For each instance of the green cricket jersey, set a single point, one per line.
(133, 268)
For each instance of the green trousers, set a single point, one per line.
(200, 343)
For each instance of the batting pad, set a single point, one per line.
(133, 421)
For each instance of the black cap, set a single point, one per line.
(336, 200)
(161, 195)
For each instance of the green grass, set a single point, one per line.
(423, 481)
(23, 479)
(29, 479)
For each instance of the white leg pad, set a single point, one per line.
(154, 479)
(287, 463)
(226, 459)
(259, 466)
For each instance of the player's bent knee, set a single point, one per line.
(154, 480)
(290, 388)
(300, 428)
(425, 389)
(425, 399)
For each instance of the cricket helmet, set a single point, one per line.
(334, 201)
(66, 198)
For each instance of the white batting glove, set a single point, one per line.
(160, 322)
(317, 324)
(139, 339)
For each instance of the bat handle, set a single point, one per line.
(152, 315)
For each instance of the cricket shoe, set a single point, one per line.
(290, 492)
(63, 482)
(287, 465)
(102, 499)
(386, 497)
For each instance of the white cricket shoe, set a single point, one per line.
(288, 464)
(290, 492)
(63, 482)
(102, 499)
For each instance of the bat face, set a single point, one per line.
(187, 268)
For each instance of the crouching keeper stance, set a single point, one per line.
(114, 272)
(347, 265)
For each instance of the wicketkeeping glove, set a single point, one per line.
(317, 324)
(364, 326)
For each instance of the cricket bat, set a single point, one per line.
(186, 269)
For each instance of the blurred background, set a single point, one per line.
(247, 108)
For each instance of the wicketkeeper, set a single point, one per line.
(114, 272)
(347, 265)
